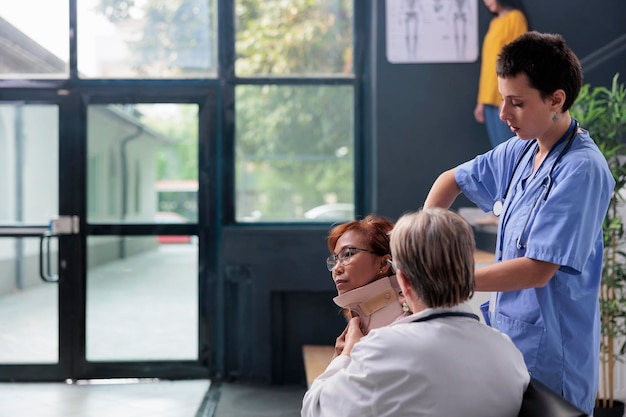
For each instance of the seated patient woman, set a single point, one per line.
(439, 361)
(365, 282)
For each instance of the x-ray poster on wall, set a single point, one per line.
(429, 31)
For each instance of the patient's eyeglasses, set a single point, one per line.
(343, 257)
(393, 265)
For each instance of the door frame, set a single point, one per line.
(73, 104)
(66, 243)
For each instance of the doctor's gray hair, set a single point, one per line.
(434, 249)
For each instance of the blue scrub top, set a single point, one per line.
(555, 327)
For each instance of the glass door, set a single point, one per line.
(30, 243)
(112, 129)
(101, 231)
(145, 280)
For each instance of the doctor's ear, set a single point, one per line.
(404, 283)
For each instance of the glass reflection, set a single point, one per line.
(142, 163)
(34, 38)
(143, 306)
(294, 153)
(275, 37)
(29, 324)
(147, 39)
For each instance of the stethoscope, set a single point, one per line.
(571, 132)
(498, 205)
(446, 314)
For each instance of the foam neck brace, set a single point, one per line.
(376, 303)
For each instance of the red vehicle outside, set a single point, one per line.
(171, 217)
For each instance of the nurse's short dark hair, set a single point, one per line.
(434, 249)
(547, 61)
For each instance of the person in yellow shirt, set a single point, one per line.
(508, 23)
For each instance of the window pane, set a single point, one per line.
(34, 38)
(276, 37)
(147, 39)
(143, 305)
(143, 161)
(29, 186)
(29, 324)
(294, 153)
(29, 163)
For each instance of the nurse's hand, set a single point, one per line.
(353, 335)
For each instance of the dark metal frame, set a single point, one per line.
(216, 198)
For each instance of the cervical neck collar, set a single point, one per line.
(376, 303)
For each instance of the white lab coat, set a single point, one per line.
(449, 366)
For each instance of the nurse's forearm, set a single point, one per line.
(443, 191)
(515, 274)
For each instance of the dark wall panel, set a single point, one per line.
(268, 274)
(419, 122)
(423, 113)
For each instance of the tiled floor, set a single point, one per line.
(149, 399)
(240, 400)
(122, 298)
(145, 399)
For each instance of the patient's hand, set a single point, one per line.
(340, 342)
(353, 334)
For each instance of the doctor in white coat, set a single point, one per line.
(441, 360)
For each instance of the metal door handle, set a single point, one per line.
(47, 275)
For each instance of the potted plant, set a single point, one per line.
(602, 111)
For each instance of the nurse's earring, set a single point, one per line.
(405, 307)
(555, 118)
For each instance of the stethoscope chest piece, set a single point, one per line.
(497, 208)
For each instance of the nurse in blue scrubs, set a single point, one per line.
(550, 186)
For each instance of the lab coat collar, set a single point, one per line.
(462, 308)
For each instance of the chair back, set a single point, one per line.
(539, 400)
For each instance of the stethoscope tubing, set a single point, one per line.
(571, 132)
(547, 182)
